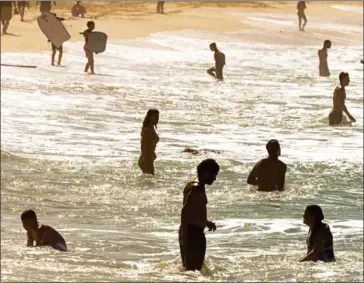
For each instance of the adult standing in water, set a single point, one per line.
(191, 238)
(269, 173)
(6, 13)
(160, 7)
(322, 54)
(219, 57)
(149, 140)
(45, 6)
(301, 6)
(336, 114)
(319, 241)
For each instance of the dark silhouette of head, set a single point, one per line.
(151, 118)
(207, 171)
(313, 215)
(78, 2)
(327, 44)
(29, 219)
(273, 148)
(91, 25)
(344, 79)
(213, 46)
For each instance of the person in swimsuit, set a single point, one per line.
(191, 237)
(336, 114)
(78, 10)
(301, 6)
(322, 54)
(269, 173)
(219, 57)
(88, 52)
(319, 241)
(43, 235)
(54, 48)
(21, 8)
(148, 143)
(45, 6)
(160, 7)
(6, 13)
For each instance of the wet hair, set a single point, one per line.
(208, 165)
(89, 23)
(342, 76)
(147, 120)
(327, 42)
(272, 147)
(316, 212)
(213, 45)
(28, 214)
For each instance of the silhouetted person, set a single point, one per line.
(45, 6)
(269, 173)
(336, 114)
(322, 54)
(301, 6)
(219, 57)
(78, 10)
(148, 142)
(89, 54)
(42, 235)
(21, 8)
(6, 13)
(191, 238)
(160, 7)
(362, 61)
(319, 241)
(54, 48)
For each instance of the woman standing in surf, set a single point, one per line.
(149, 140)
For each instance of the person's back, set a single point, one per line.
(219, 59)
(327, 252)
(339, 100)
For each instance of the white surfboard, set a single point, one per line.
(53, 29)
(97, 41)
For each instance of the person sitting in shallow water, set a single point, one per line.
(336, 114)
(319, 241)
(269, 173)
(78, 10)
(43, 235)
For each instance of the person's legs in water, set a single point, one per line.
(219, 74)
(211, 72)
(147, 166)
(60, 53)
(305, 22)
(299, 22)
(194, 248)
(54, 50)
(90, 61)
(335, 118)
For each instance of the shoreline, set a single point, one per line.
(259, 22)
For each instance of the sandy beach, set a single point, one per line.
(262, 22)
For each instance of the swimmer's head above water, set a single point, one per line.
(29, 219)
(313, 215)
(151, 118)
(207, 171)
(344, 79)
(327, 44)
(273, 148)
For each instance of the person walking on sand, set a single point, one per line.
(336, 114)
(6, 13)
(148, 142)
(301, 6)
(160, 7)
(54, 48)
(45, 6)
(89, 54)
(21, 8)
(269, 173)
(320, 245)
(78, 10)
(322, 54)
(219, 57)
(191, 237)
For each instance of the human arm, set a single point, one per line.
(318, 245)
(253, 175)
(30, 240)
(342, 99)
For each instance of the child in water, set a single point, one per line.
(43, 235)
(89, 53)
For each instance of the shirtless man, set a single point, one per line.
(336, 114)
(89, 53)
(269, 173)
(54, 48)
(301, 6)
(43, 235)
(219, 57)
(191, 238)
(322, 54)
(45, 6)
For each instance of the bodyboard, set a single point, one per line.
(97, 42)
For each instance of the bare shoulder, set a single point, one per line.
(282, 164)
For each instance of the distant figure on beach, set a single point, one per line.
(148, 143)
(219, 57)
(21, 8)
(191, 235)
(6, 13)
(269, 173)
(88, 52)
(42, 235)
(78, 10)
(319, 241)
(45, 6)
(301, 6)
(336, 114)
(160, 7)
(54, 48)
(322, 54)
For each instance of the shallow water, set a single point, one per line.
(70, 144)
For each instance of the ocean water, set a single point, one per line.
(70, 144)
